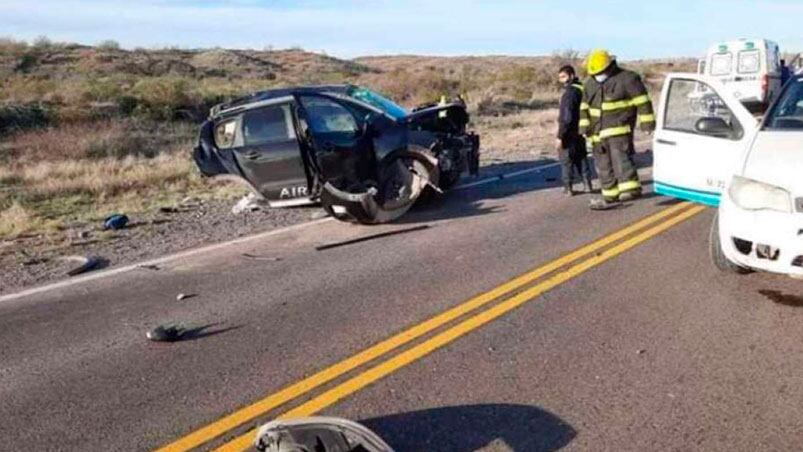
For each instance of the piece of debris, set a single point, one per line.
(83, 234)
(86, 263)
(149, 267)
(116, 221)
(184, 296)
(262, 258)
(165, 333)
(34, 261)
(249, 203)
(641, 351)
(370, 237)
(168, 209)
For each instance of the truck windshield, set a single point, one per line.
(377, 100)
(787, 113)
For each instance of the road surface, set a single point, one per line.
(517, 319)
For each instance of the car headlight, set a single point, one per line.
(750, 194)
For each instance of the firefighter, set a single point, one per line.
(614, 101)
(571, 145)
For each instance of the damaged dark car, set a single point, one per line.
(363, 157)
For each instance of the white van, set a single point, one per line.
(750, 68)
(751, 168)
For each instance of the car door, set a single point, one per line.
(342, 148)
(269, 154)
(701, 133)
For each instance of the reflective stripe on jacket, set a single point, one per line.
(613, 108)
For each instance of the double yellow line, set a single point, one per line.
(600, 251)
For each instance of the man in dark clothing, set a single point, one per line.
(571, 145)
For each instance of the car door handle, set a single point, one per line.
(666, 142)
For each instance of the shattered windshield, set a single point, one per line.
(379, 101)
(787, 113)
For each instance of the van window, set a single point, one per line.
(749, 62)
(721, 64)
(265, 125)
(689, 101)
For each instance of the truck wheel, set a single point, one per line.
(717, 256)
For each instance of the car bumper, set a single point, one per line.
(761, 240)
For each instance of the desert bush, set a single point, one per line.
(26, 116)
(164, 97)
(109, 44)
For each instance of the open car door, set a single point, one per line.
(268, 152)
(701, 134)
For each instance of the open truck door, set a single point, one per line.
(701, 133)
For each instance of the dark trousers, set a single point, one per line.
(616, 167)
(574, 159)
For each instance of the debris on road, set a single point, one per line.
(262, 258)
(249, 203)
(370, 237)
(165, 333)
(184, 296)
(149, 267)
(86, 263)
(641, 351)
(116, 221)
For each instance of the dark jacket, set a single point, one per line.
(613, 107)
(569, 115)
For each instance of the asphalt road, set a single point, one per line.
(637, 343)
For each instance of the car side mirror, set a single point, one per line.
(713, 126)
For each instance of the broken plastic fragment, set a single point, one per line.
(165, 333)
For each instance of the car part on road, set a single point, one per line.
(165, 333)
(319, 434)
(86, 263)
(363, 157)
(370, 237)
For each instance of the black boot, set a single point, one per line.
(567, 190)
(589, 188)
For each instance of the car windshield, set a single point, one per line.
(379, 101)
(787, 113)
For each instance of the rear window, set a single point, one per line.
(749, 61)
(721, 64)
(265, 125)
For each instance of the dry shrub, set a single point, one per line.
(14, 220)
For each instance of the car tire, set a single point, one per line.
(718, 257)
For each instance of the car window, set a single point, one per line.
(787, 112)
(721, 64)
(379, 101)
(689, 101)
(749, 62)
(225, 132)
(266, 125)
(327, 116)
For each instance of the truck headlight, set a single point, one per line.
(750, 194)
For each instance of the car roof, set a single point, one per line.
(271, 94)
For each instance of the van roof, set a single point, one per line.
(741, 44)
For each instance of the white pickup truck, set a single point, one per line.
(721, 155)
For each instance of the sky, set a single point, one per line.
(349, 28)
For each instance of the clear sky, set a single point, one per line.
(349, 28)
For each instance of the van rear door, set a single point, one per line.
(701, 132)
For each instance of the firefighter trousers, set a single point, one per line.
(616, 168)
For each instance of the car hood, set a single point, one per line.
(777, 158)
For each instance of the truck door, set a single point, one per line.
(701, 133)
(269, 155)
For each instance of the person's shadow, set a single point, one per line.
(492, 427)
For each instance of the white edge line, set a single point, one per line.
(505, 176)
(158, 260)
(204, 249)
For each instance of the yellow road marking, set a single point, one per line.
(373, 374)
(289, 393)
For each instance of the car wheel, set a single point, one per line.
(715, 251)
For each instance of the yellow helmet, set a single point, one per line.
(598, 60)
